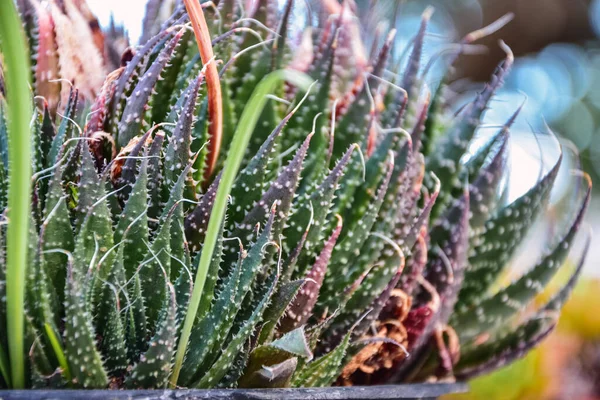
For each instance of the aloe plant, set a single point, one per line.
(330, 230)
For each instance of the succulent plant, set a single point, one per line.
(359, 245)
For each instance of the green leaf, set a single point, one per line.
(370, 297)
(359, 116)
(342, 271)
(444, 160)
(4, 363)
(251, 181)
(41, 369)
(155, 178)
(90, 189)
(212, 330)
(3, 135)
(56, 233)
(183, 287)
(324, 370)
(216, 324)
(512, 343)
(319, 153)
(65, 129)
(134, 220)
(447, 259)
(154, 367)
(272, 365)
(92, 243)
(224, 361)
(109, 319)
(154, 272)
(411, 186)
(174, 208)
(315, 206)
(37, 158)
(438, 119)
(113, 334)
(208, 294)
(85, 363)
(3, 187)
(373, 249)
(167, 84)
(286, 292)
(136, 323)
(503, 232)
(57, 346)
(402, 147)
(252, 262)
(492, 310)
(41, 306)
(234, 373)
(485, 183)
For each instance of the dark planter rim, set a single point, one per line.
(401, 392)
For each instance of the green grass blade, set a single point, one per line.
(17, 71)
(239, 143)
(58, 351)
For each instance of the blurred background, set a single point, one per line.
(557, 73)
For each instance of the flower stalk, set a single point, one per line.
(215, 100)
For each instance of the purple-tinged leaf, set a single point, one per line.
(136, 104)
(415, 265)
(444, 161)
(129, 75)
(379, 302)
(413, 66)
(129, 168)
(251, 182)
(177, 154)
(100, 110)
(447, 260)
(197, 221)
(503, 351)
(421, 221)
(300, 310)
(155, 176)
(343, 270)
(281, 192)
